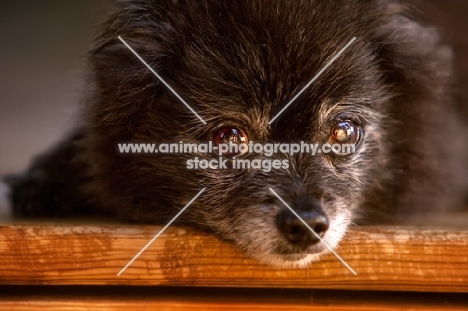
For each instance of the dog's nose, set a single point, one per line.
(296, 232)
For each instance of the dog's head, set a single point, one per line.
(237, 64)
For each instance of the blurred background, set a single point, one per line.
(43, 45)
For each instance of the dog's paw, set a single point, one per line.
(33, 194)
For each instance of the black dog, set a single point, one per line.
(237, 63)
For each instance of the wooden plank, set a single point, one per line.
(119, 305)
(385, 259)
(215, 299)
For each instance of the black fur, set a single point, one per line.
(238, 63)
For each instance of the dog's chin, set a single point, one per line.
(288, 256)
(291, 261)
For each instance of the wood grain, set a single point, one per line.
(100, 298)
(121, 305)
(408, 259)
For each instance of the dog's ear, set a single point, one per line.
(123, 85)
(411, 50)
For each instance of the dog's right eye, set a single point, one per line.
(233, 137)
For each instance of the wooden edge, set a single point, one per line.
(122, 305)
(404, 259)
(65, 298)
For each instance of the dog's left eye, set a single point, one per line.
(345, 132)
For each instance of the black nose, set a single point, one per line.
(296, 232)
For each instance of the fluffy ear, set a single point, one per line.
(411, 50)
(123, 84)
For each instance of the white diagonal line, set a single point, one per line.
(161, 79)
(315, 233)
(160, 232)
(313, 79)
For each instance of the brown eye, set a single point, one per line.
(345, 132)
(235, 139)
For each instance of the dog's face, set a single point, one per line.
(237, 63)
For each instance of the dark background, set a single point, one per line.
(42, 49)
